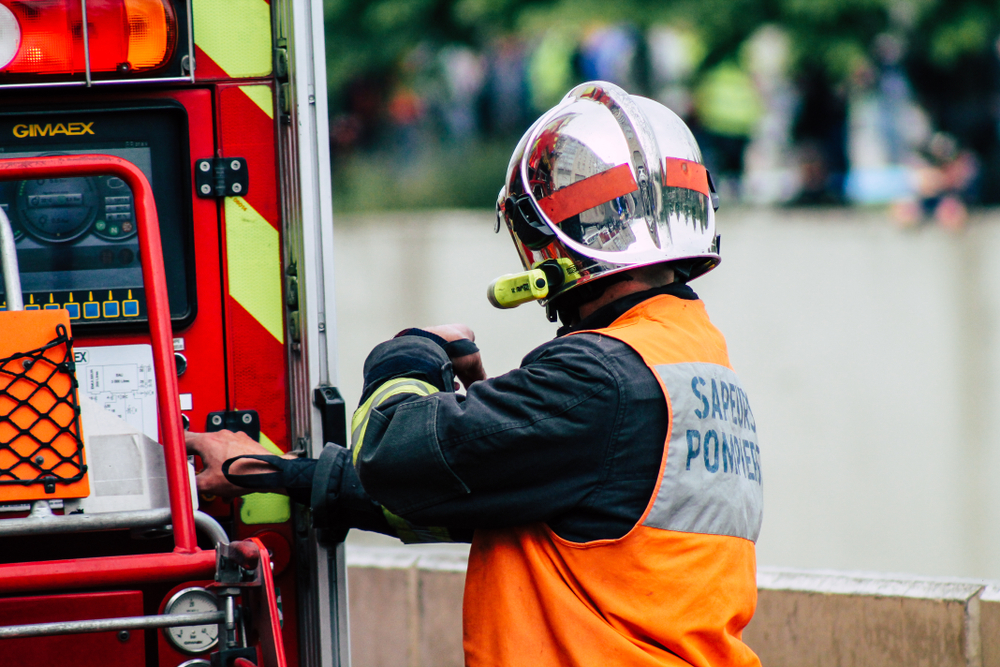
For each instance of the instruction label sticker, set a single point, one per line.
(120, 379)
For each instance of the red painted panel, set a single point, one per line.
(97, 649)
(257, 362)
(205, 68)
(259, 380)
(258, 371)
(246, 131)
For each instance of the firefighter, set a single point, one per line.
(610, 486)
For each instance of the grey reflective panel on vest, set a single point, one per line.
(711, 483)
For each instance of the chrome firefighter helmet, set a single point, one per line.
(602, 183)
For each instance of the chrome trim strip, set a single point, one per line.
(8, 263)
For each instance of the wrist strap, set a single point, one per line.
(265, 480)
(455, 348)
(460, 348)
(324, 485)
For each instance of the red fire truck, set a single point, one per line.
(166, 245)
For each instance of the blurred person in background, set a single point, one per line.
(464, 77)
(610, 486)
(770, 175)
(674, 55)
(820, 132)
(727, 107)
(611, 53)
(961, 92)
(944, 180)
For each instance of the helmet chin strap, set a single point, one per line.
(567, 306)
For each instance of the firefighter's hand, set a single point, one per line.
(468, 368)
(217, 448)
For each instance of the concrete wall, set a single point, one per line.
(405, 606)
(870, 356)
(406, 612)
(830, 619)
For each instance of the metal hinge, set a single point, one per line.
(221, 177)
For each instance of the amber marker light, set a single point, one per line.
(152, 33)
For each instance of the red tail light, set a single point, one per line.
(46, 36)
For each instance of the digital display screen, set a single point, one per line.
(77, 238)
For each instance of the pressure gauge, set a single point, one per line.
(192, 639)
(56, 210)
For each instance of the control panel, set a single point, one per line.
(76, 237)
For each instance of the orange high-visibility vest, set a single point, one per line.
(679, 588)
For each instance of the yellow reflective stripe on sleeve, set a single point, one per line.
(262, 508)
(411, 534)
(253, 260)
(405, 531)
(401, 526)
(389, 389)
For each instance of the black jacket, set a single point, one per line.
(573, 438)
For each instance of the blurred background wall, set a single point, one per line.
(870, 356)
(856, 146)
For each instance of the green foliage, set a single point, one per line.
(384, 41)
(372, 36)
(967, 33)
(366, 36)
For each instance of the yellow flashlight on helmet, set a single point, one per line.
(513, 289)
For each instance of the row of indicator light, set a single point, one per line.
(90, 309)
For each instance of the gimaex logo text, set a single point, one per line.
(23, 131)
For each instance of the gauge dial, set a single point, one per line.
(192, 639)
(57, 209)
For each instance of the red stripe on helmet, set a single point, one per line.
(678, 173)
(592, 191)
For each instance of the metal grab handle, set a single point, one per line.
(155, 282)
(79, 523)
(8, 261)
(106, 624)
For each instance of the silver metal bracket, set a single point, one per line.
(221, 177)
